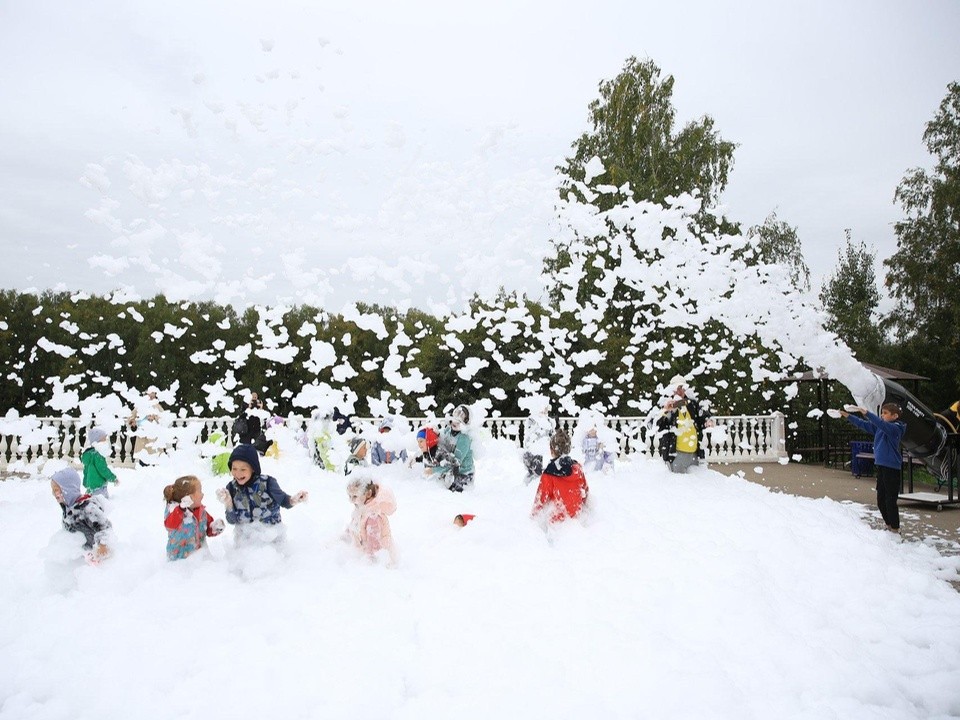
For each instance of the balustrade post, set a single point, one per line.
(779, 435)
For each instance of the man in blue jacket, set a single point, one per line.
(887, 432)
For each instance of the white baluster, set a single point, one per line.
(753, 435)
(743, 440)
(77, 444)
(763, 438)
(60, 443)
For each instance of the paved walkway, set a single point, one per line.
(917, 521)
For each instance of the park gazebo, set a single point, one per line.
(831, 446)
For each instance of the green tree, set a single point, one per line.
(633, 135)
(850, 299)
(777, 242)
(924, 273)
(637, 332)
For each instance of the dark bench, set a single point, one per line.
(909, 460)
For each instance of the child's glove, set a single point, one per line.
(187, 502)
(299, 497)
(223, 496)
(218, 526)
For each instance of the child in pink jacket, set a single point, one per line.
(369, 527)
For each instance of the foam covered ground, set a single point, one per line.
(675, 596)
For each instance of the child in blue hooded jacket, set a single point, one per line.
(887, 431)
(253, 500)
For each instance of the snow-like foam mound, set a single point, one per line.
(692, 596)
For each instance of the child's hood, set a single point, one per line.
(70, 484)
(94, 436)
(561, 466)
(385, 503)
(248, 454)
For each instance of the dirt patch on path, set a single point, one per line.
(918, 522)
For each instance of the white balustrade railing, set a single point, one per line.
(735, 438)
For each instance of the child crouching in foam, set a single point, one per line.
(369, 527)
(187, 521)
(254, 500)
(82, 514)
(563, 487)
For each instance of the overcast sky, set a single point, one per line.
(403, 152)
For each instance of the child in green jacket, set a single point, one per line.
(455, 465)
(96, 474)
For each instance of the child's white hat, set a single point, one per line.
(95, 435)
(677, 381)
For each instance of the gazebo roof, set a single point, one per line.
(878, 370)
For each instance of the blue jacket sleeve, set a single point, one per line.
(861, 423)
(231, 514)
(278, 495)
(892, 430)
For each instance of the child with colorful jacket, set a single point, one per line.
(82, 513)
(187, 521)
(96, 473)
(253, 500)
(680, 427)
(563, 490)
